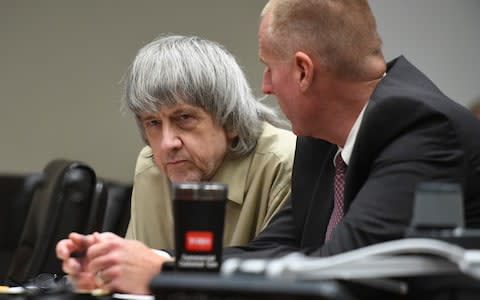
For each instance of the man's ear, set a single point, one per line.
(231, 135)
(304, 70)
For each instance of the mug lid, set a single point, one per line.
(199, 191)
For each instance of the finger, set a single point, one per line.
(110, 279)
(100, 248)
(101, 261)
(84, 281)
(99, 279)
(104, 236)
(64, 248)
(78, 245)
(103, 277)
(71, 266)
(75, 243)
(81, 240)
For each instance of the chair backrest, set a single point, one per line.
(117, 212)
(68, 200)
(16, 192)
(10, 188)
(21, 205)
(98, 207)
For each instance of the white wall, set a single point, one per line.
(62, 62)
(441, 37)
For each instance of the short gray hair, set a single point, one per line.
(198, 72)
(343, 32)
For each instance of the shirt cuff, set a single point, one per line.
(162, 253)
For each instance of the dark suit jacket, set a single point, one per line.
(411, 132)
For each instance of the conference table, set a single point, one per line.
(208, 286)
(242, 287)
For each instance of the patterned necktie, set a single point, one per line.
(339, 183)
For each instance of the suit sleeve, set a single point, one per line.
(284, 232)
(382, 208)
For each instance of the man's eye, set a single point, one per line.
(184, 117)
(152, 123)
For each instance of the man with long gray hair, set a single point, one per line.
(201, 122)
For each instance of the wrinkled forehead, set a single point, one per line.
(176, 108)
(271, 46)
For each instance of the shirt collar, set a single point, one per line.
(234, 171)
(346, 152)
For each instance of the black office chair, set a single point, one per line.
(69, 199)
(16, 192)
(117, 212)
(98, 208)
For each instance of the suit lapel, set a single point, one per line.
(371, 139)
(359, 165)
(321, 204)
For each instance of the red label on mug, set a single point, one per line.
(199, 241)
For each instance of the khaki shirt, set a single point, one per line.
(258, 186)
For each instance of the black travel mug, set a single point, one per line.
(199, 216)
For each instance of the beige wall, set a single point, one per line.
(62, 62)
(61, 66)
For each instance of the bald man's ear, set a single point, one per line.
(304, 70)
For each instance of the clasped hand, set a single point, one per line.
(107, 261)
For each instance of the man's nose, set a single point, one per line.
(170, 139)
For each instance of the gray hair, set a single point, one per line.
(198, 72)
